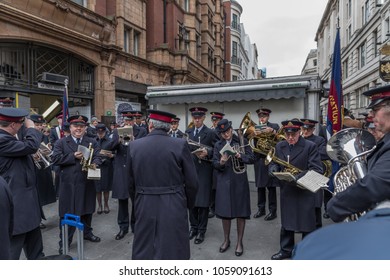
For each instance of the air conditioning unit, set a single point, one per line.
(53, 78)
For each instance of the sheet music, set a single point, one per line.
(284, 176)
(228, 149)
(84, 150)
(313, 181)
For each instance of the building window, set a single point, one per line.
(314, 62)
(126, 40)
(210, 58)
(362, 55)
(136, 42)
(81, 2)
(366, 11)
(349, 34)
(345, 69)
(187, 5)
(375, 42)
(234, 78)
(361, 100)
(387, 26)
(198, 47)
(349, 8)
(235, 22)
(235, 50)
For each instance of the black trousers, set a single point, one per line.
(287, 241)
(30, 242)
(261, 199)
(123, 215)
(86, 220)
(199, 217)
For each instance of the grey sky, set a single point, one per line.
(284, 32)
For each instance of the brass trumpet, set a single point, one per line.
(287, 166)
(42, 156)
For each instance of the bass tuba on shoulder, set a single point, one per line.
(350, 147)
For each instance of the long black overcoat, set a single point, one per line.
(18, 170)
(77, 194)
(6, 218)
(164, 178)
(106, 168)
(232, 199)
(297, 205)
(204, 167)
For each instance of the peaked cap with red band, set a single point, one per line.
(198, 111)
(136, 114)
(161, 116)
(291, 125)
(37, 118)
(377, 95)
(216, 116)
(78, 119)
(308, 123)
(12, 114)
(263, 111)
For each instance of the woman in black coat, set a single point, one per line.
(232, 199)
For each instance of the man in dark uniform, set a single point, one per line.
(175, 132)
(365, 193)
(18, 170)
(138, 120)
(164, 194)
(307, 130)
(215, 118)
(77, 194)
(202, 156)
(120, 189)
(262, 178)
(6, 218)
(297, 205)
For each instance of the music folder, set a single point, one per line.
(311, 181)
(228, 149)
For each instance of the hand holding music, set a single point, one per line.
(78, 155)
(201, 153)
(224, 158)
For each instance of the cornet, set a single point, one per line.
(42, 156)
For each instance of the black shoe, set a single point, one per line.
(211, 214)
(193, 233)
(42, 226)
(326, 215)
(239, 253)
(92, 238)
(259, 214)
(281, 256)
(270, 216)
(199, 238)
(223, 249)
(121, 234)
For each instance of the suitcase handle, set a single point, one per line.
(72, 220)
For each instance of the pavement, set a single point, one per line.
(261, 238)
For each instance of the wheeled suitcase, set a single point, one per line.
(73, 221)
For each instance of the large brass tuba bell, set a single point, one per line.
(247, 126)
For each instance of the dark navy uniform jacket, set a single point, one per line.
(18, 170)
(6, 219)
(77, 194)
(178, 133)
(366, 192)
(262, 178)
(297, 204)
(232, 199)
(164, 178)
(106, 168)
(204, 168)
(365, 239)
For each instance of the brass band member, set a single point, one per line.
(202, 158)
(77, 194)
(263, 181)
(215, 118)
(163, 196)
(374, 187)
(18, 169)
(232, 200)
(175, 132)
(6, 218)
(307, 131)
(297, 206)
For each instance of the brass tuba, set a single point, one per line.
(350, 147)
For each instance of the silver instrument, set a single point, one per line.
(350, 147)
(126, 134)
(198, 145)
(42, 158)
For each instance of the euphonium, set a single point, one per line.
(247, 126)
(350, 147)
